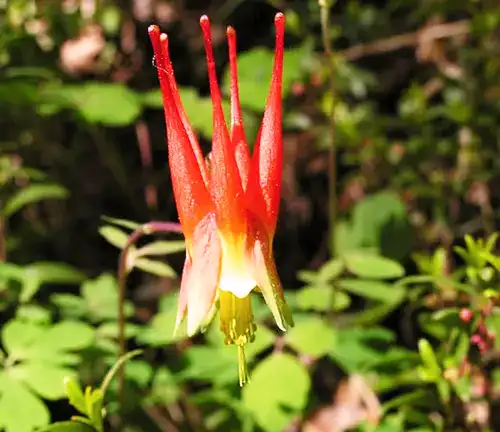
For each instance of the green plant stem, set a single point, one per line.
(3, 248)
(116, 367)
(332, 154)
(123, 269)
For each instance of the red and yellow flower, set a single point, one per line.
(228, 208)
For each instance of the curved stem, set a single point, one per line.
(123, 269)
(116, 367)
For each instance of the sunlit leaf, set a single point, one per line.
(162, 248)
(32, 194)
(367, 265)
(37, 274)
(20, 409)
(157, 268)
(42, 378)
(121, 222)
(68, 426)
(114, 235)
(75, 394)
(311, 335)
(277, 391)
(18, 336)
(64, 336)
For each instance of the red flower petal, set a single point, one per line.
(240, 146)
(191, 195)
(200, 276)
(167, 64)
(259, 255)
(226, 187)
(264, 182)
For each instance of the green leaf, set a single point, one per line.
(391, 423)
(111, 104)
(161, 329)
(255, 70)
(35, 314)
(101, 296)
(18, 337)
(321, 298)
(41, 273)
(109, 330)
(44, 379)
(277, 392)
(214, 364)
(10, 271)
(357, 349)
(346, 239)
(110, 19)
(63, 336)
(433, 371)
(121, 222)
(75, 395)
(20, 409)
(373, 290)
(70, 305)
(366, 265)
(312, 336)
(307, 276)
(198, 109)
(68, 426)
(140, 372)
(264, 339)
(332, 269)
(381, 221)
(114, 235)
(412, 399)
(32, 194)
(164, 390)
(157, 268)
(94, 402)
(162, 248)
(152, 98)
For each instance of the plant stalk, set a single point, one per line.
(123, 270)
(332, 153)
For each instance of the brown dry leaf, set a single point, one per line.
(354, 403)
(431, 48)
(79, 55)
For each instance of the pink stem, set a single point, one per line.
(145, 229)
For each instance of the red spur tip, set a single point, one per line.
(204, 21)
(153, 29)
(279, 19)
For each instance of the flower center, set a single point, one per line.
(235, 276)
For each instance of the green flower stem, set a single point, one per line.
(332, 154)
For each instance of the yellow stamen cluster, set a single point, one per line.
(237, 323)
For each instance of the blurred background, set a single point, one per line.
(394, 291)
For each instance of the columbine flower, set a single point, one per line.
(227, 207)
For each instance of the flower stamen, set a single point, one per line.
(237, 323)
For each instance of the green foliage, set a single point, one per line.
(379, 222)
(408, 304)
(136, 257)
(32, 194)
(37, 359)
(276, 398)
